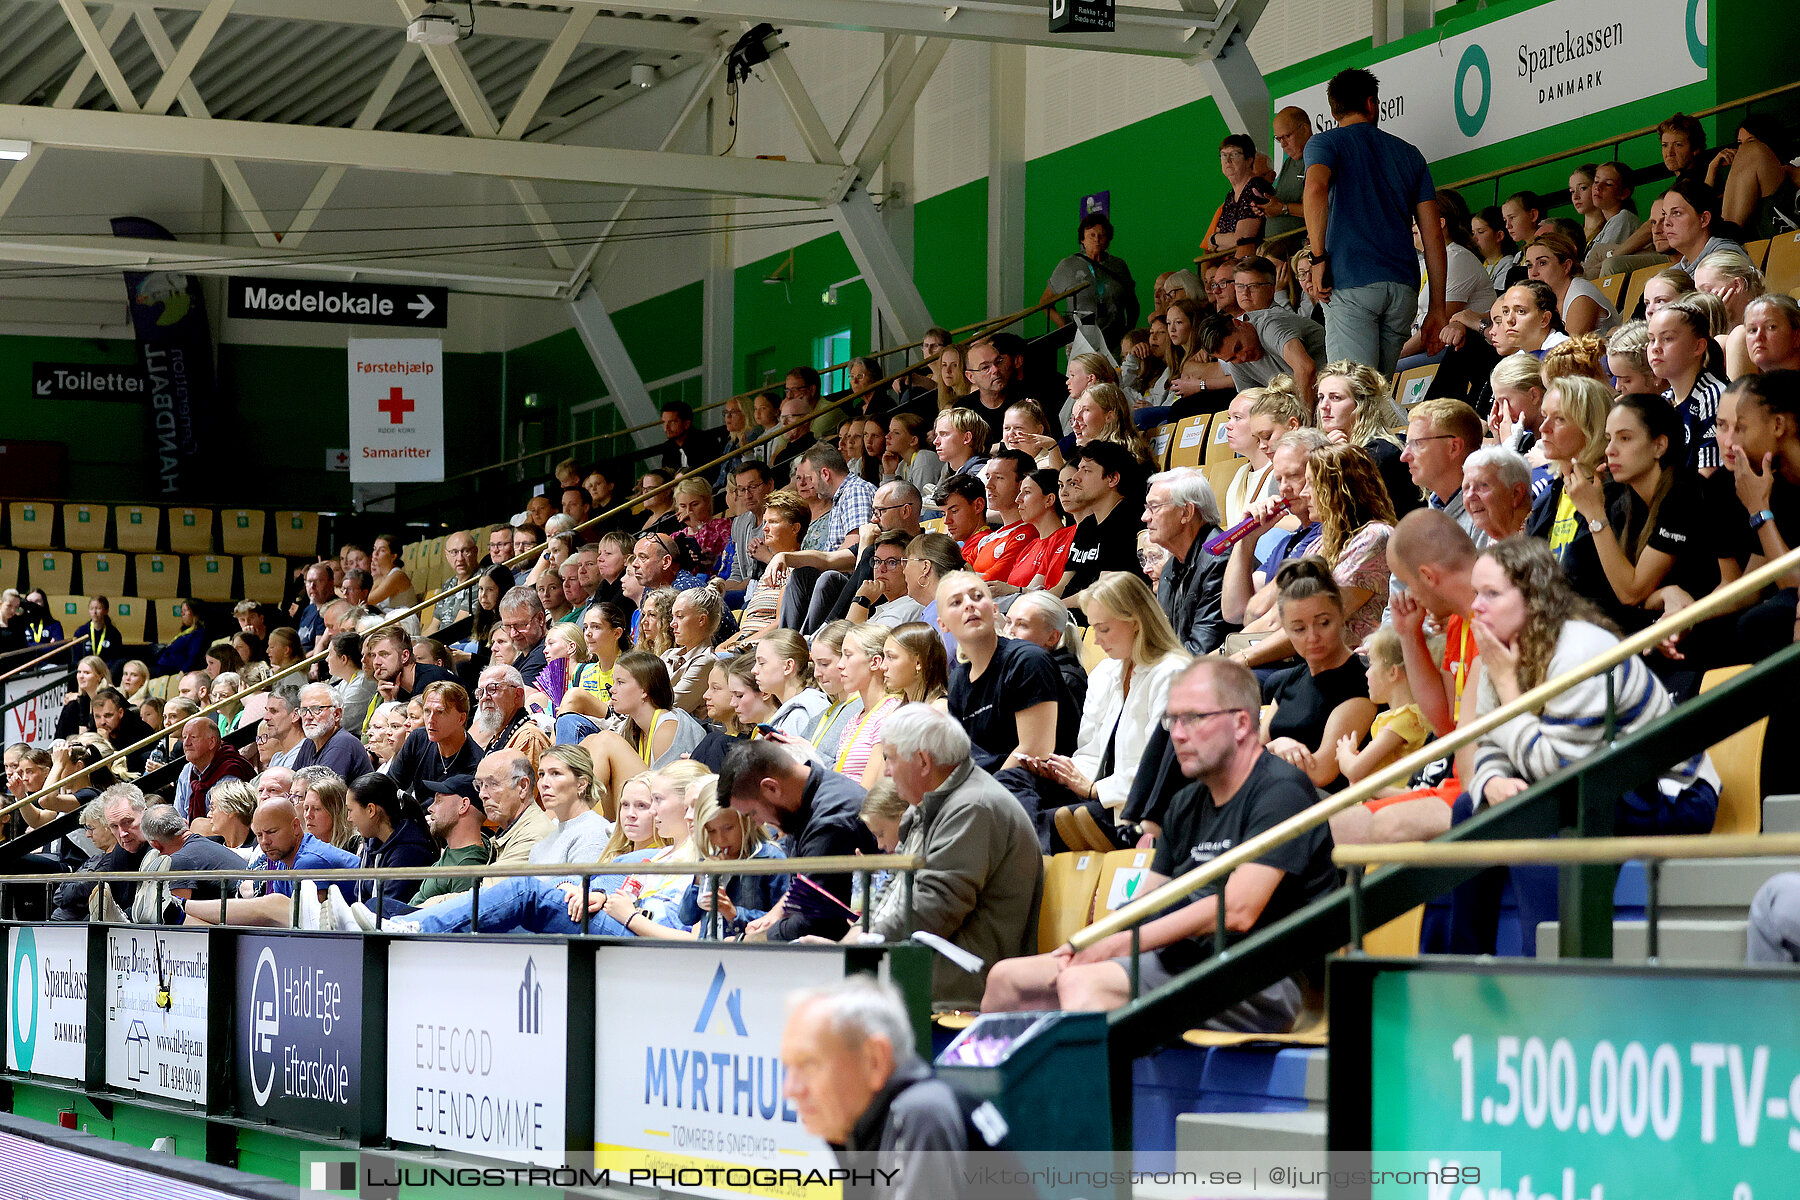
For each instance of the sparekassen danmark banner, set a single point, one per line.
(396, 410)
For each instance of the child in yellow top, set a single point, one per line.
(1398, 731)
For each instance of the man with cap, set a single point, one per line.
(455, 818)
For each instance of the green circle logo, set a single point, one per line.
(24, 997)
(1473, 59)
(1696, 43)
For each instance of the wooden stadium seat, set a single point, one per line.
(1611, 286)
(1159, 437)
(52, 570)
(1091, 653)
(1122, 876)
(70, 610)
(132, 615)
(103, 574)
(1413, 384)
(9, 569)
(190, 530)
(1069, 883)
(1311, 1028)
(210, 577)
(1399, 938)
(137, 527)
(168, 618)
(1220, 474)
(1634, 290)
(158, 576)
(84, 526)
(1758, 251)
(32, 523)
(1188, 447)
(241, 530)
(265, 578)
(1739, 762)
(297, 534)
(1217, 448)
(1782, 271)
(935, 525)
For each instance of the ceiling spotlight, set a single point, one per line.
(438, 26)
(13, 150)
(644, 74)
(830, 295)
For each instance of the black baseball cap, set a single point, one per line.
(456, 785)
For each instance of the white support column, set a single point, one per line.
(718, 286)
(1237, 84)
(1006, 179)
(889, 277)
(902, 82)
(625, 387)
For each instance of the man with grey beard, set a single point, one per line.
(501, 722)
(326, 744)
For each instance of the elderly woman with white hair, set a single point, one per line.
(1043, 619)
(983, 878)
(1496, 492)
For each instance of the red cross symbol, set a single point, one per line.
(396, 406)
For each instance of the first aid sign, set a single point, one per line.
(396, 410)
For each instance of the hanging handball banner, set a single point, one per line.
(1532, 70)
(396, 410)
(168, 313)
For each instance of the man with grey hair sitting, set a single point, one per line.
(1182, 513)
(167, 832)
(896, 508)
(522, 616)
(327, 743)
(983, 877)
(857, 1082)
(123, 805)
(281, 721)
(1496, 492)
(210, 758)
(501, 719)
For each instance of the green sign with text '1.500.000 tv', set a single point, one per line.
(1595, 1085)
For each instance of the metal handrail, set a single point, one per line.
(986, 326)
(1519, 851)
(1617, 139)
(1722, 600)
(52, 652)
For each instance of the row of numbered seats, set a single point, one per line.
(141, 619)
(215, 577)
(33, 525)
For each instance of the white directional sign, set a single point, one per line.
(323, 301)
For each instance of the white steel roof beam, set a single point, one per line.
(549, 68)
(179, 70)
(372, 108)
(385, 151)
(99, 52)
(66, 97)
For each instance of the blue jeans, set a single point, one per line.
(572, 727)
(533, 905)
(1369, 324)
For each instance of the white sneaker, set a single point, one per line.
(347, 916)
(309, 905)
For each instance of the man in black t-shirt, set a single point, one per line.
(1239, 791)
(1106, 539)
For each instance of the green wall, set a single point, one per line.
(776, 323)
(950, 244)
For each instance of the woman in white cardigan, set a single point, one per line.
(1126, 695)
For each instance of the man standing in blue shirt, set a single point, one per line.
(1364, 190)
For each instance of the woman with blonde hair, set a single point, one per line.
(827, 651)
(721, 833)
(1086, 370)
(91, 674)
(1517, 386)
(863, 668)
(325, 806)
(1127, 693)
(1356, 408)
(951, 375)
(134, 677)
(1573, 438)
(784, 671)
(635, 830)
(1581, 355)
(647, 905)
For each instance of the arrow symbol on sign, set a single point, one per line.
(422, 306)
(43, 387)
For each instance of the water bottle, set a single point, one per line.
(1225, 539)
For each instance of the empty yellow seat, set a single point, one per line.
(297, 534)
(1069, 883)
(9, 569)
(136, 527)
(52, 570)
(210, 576)
(84, 526)
(1217, 448)
(190, 530)
(265, 578)
(132, 615)
(71, 611)
(241, 530)
(1159, 439)
(32, 524)
(1782, 273)
(1738, 759)
(1187, 448)
(1123, 875)
(158, 576)
(103, 574)
(1412, 384)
